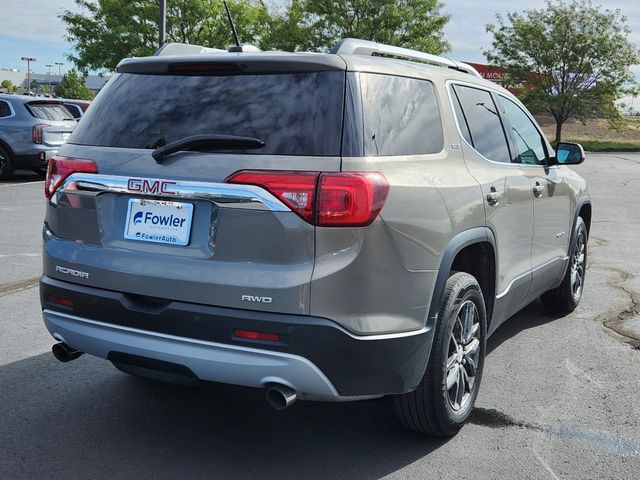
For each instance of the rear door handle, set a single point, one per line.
(493, 197)
(538, 189)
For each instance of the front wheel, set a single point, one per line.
(565, 298)
(445, 397)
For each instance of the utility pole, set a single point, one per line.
(49, 65)
(28, 60)
(59, 65)
(162, 23)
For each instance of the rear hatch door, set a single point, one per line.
(58, 120)
(175, 230)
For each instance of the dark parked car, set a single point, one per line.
(76, 107)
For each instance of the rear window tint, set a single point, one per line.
(74, 109)
(49, 111)
(481, 115)
(401, 116)
(5, 110)
(294, 114)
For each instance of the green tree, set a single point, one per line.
(569, 59)
(105, 31)
(73, 85)
(8, 85)
(414, 24)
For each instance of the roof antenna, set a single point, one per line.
(238, 47)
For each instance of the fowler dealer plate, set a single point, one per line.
(158, 221)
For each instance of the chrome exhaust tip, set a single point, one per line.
(280, 396)
(64, 352)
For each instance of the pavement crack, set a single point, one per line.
(15, 287)
(615, 320)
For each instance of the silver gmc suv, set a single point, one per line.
(332, 227)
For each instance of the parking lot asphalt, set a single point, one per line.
(559, 398)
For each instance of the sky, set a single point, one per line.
(32, 28)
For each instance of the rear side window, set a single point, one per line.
(74, 110)
(5, 109)
(49, 111)
(294, 114)
(481, 115)
(401, 116)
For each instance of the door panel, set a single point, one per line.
(505, 188)
(550, 194)
(551, 227)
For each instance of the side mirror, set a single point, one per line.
(569, 153)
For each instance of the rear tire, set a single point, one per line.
(6, 166)
(445, 397)
(565, 298)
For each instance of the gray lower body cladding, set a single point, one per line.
(315, 356)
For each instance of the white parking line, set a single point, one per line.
(20, 255)
(19, 184)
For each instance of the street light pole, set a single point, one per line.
(28, 60)
(162, 23)
(49, 65)
(59, 65)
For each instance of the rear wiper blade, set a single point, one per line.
(205, 143)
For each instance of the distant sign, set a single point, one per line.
(488, 72)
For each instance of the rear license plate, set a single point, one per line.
(158, 221)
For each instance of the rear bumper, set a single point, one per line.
(37, 159)
(315, 356)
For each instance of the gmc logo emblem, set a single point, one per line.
(143, 185)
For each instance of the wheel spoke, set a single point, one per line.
(461, 387)
(469, 380)
(453, 376)
(471, 347)
(451, 361)
(474, 330)
(471, 366)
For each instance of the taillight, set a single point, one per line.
(350, 199)
(294, 189)
(342, 199)
(36, 132)
(61, 167)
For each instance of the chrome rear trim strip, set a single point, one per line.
(226, 195)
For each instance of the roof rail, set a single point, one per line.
(354, 46)
(184, 49)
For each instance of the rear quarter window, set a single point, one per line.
(401, 116)
(5, 109)
(74, 110)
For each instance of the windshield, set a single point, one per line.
(49, 111)
(294, 114)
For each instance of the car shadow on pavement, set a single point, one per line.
(85, 417)
(531, 316)
(23, 176)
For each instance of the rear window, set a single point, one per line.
(49, 111)
(294, 114)
(401, 116)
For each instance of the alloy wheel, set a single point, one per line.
(464, 352)
(578, 267)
